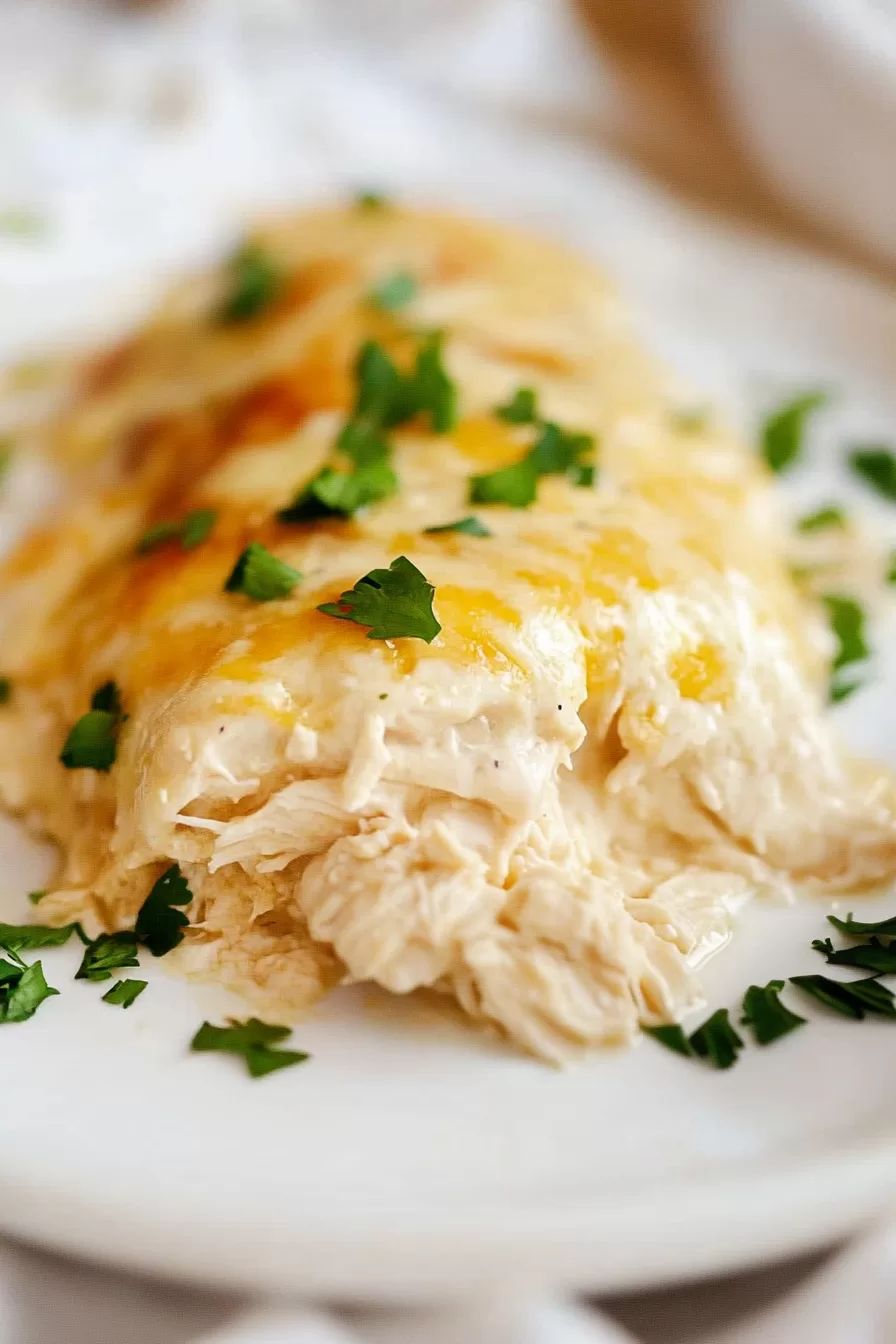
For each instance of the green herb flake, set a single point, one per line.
(829, 516)
(871, 956)
(157, 535)
(24, 996)
(891, 568)
(768, 1017)
(363, 444)
(26, 937)
(467, 527)
(557, 451)
(197, 527)
(92, 743)
(110, 952)
(433, 391)
(852, 998)
(35, 897)
(717, 1041)
(841, 688)
(260, 575)
(7, 453)
(379, 386)
(516, 485)
(5, 690)
(856, 928)
(255, 1041)
(107, 698)
(160, 924)
(372, 200)
(125, 992)
(584, 476)
(876, 465)
(254, 281)
(848, 626)
(784, 431)
(396, 603)
(521, 409)
(393, 291)
(672, 1037)
(341, 494)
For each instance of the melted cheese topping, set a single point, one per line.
(551, 810)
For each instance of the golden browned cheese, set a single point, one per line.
(607, 646)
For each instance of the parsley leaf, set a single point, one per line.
(254, 282)
(783, 431)
(467, 527)
(393, 291)
(871, 956)
(107, 698)
(192, 531)
(830, 516)
(5, 690)
(516, 485)
(556, 450)
(124, 992)
(584, 476)
(371, 200)
(159, 925)
(769, 1018)
(92, 742)
(334, 493)
(396, 603)
(672, 1037)
(841, 688)
(110, 952)
(521, 409)
(717, 1041)
(855, 928)
(260, 575)
(386, 397)
(432, 390)
(24, 937)
(35, 897)
(254, 1040)
(379, 394)
(363, 444)
(848, 625)
(25, 995)
(877, 467)
(852, 999)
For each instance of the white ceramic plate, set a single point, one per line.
(411, 1156)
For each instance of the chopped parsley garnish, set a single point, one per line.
(516, 485)
(124, 992)
(768, 1017)
(192, 531)
(5, 690)
(784, 431)
(26, 937)
(254, 282)
(393, 291)
(556, 452)
(387, 397)
(717, 1041)
(830, 516)
(160, 924)
(333, 493)
(852, 998)
(110, 952)
(363, 444)
(260, 575)
(856, 928)
(254, 1040)
(467, 527)
(891, 568)
(107, 698)
(841, 688)
(35, 897)
(521, 409)
(848, 626)
(23, 994)
(672, 1037)
(371, 200)
(7, 449)
(876, 464)
(871, 956)
(396, 603)
(92, 743)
